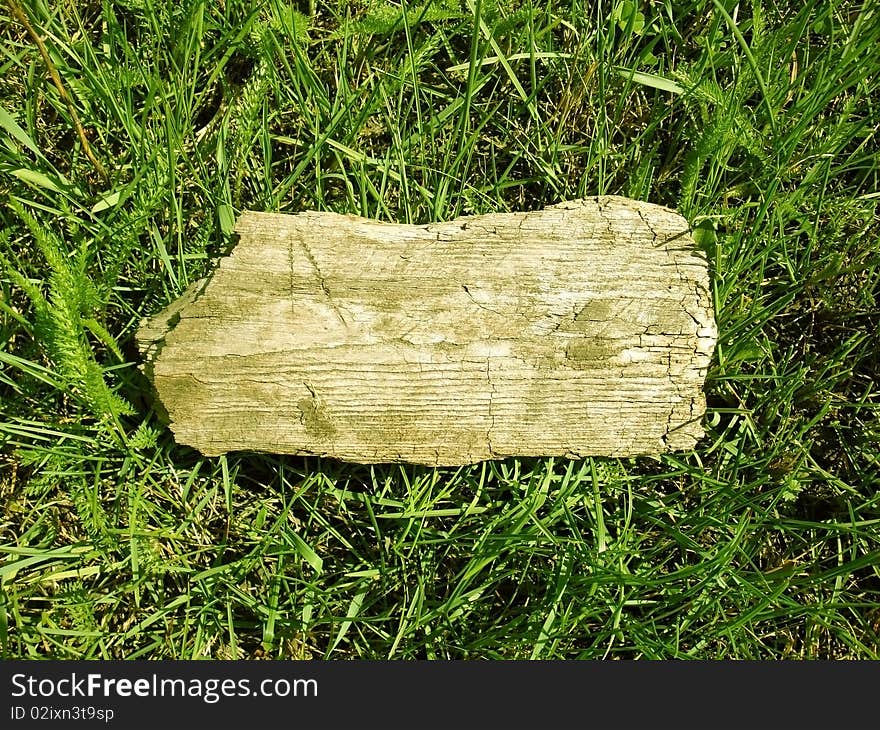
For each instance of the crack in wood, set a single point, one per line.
(322, 282)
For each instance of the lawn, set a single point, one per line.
(133, 132)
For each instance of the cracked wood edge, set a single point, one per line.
(582, 329)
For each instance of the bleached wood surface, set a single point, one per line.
(582, 329)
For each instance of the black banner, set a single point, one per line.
(407, 694)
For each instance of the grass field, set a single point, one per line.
(757, 121)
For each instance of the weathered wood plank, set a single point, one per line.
(582, 329)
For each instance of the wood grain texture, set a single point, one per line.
(582, 329)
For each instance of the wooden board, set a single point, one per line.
(582, 329)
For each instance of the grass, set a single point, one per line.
(757, 122)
